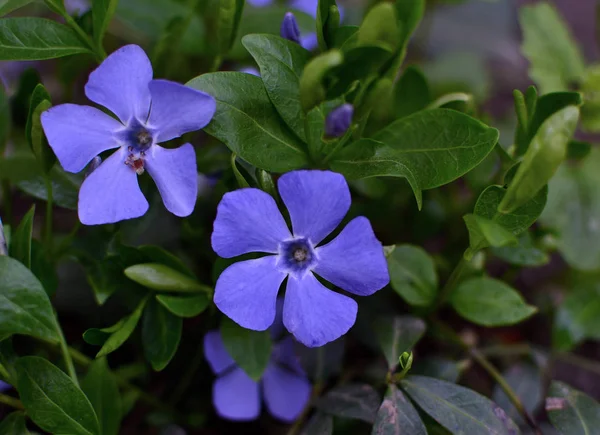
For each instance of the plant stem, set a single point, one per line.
(49, 206)
(451, 283)
(98, 50)
(338, 146)
(216, 63)
(11, 401)
(64, 348)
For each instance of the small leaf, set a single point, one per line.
(412, 274)
(380, 27)
(24, 305)
(20, 240)
(484, 232)
(457, 408)
(102, 13)
(397, 335)
(184, 306)
(571, 411)
(577, 317)
(524, 254)
(247, 122)
(52, 400)
(29, 38)
(160, 277)
(358, 401)
(40, 102)
(14, 423)
(100, 387)
(251, 350)
(312, 87)
(161, 333)
(397, 416)
(489, 302)
(121, 331)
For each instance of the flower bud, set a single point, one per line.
(3, 248)
(338, 121)
(289, 28)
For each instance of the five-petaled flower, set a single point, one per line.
(236, 396)
(248, 221)
(149, 112)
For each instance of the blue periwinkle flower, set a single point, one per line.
(284, 385)
(4, 386)
(339, 120)
(248, 221)
(3, 248)
(289, 28)
(148, 112)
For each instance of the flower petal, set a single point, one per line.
(175, 174)
(120, 83)
(246, 292)
(309, 41)
(248, 221)
(178, 109)
(77, 134)
(286, 394)
(317, 202)
(111, 193)
(354, 260)
(236, 396)
(307, 6)
(215, 353)
(314, 314)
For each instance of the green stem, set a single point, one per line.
(216, 63)
(98, 50)
(11, 401)
(452, 282)
(64, 348)
(49, 206)
(338, 147)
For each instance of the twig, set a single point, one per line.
(11, 401)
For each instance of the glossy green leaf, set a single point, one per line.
(524, 254)
(410, 13)
(571, 411)
(490, 302)
(281, 63)
(397, 335)
(458, 409)
(40, 102)
(251, 350)
(577, 317)
(100, 387)
(248, 124)
(161, 277)
(24, 305)
(52, 399)
(411, 93)
(397, 415)
(7, 6)
(20, 241)
(102, 13)
(380, 27)
(430, 148)
(527, 383)
(555, 59)
(412, 274)
(161, 333)
(324, 36)
(547, 151)
(312, 86)
(184, 306)
(573, 209)
(356, 401)
(65, 187)
(14, 423)
(32, 38)
(484, 232)
(120, 332)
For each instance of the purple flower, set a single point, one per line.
(248, 221)
(289, 28)
(149, 112)
(4, 386)
(285, 387)
(339, 120)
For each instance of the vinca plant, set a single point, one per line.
(296, 217)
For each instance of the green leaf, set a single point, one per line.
(524, 254)
(230, 14)
(248, 124)
(430, 148)
(457, 408)
(281, 63)
(397, 416)
(102, 13)
(24, 305)
(29, 38)
(527, 383)
(65, 187)
(573, 209)
(52, 399)
(555, 59)
(14, 423)
(571, 411)
(357, 401)
(324, 36)
(485, 232)
(100, 387)
(120, 332)
(251, 350)
(20, 240)
(160, 277)
(312, 86)
(7, 6)
(490, 302)
(577, 317)
(410, 13)
(412, 274)
(184, 306)
(411, 93)
(40, 102)
(161, 333)
(546, 152)
(18, 167)
(380, 27)
(590, 87)
(397, 335)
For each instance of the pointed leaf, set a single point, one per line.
(102, 12)
(100, 387)
(397, 335)
(397, 416)
(412, 274)
(161, 333)
(572, 412)
(20, 240)
(160, 277)
(121, 331)
(184, 306)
